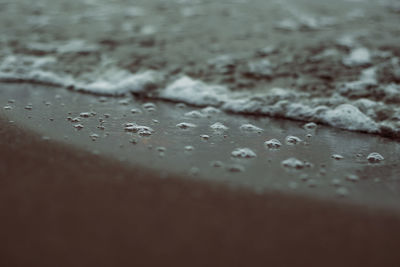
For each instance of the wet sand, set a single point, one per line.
(63, 207)
(64, 204)
(102, 196)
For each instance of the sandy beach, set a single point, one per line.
(116, 215)
(199, 133)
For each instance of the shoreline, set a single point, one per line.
(115, 215)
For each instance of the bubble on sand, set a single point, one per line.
(194, 114)
(352, 178)
(78, 126)
(186, 125)
(7, 107)
(375, 157)
(273, 143)
(136, 111)
(337, 157)
(150, 107)
(293, 163)
(194, 171)
(84, 114)
(94, 136)
(216, 164)
(293, 140)
(161, 149)
(124, 102)
(310, 126)
(235, 168)
(336, 182)
(312, 183)
(304, 177)
(77, 119)
(250, 128)
(218, 126)
(28, 107)
(141, 130)
(243, 153)
(209, 111)
(133, 141)
(342, 192)
(189, 148)
(204, 136)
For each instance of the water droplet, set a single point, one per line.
(186, 125)
(352, 178)
(293, 140)
(337, 157)
(293, 163)
(250, 128)
(243, 153)
(375, 157)
(78, 126)
(273, 143)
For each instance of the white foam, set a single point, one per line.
(195, 92)
(349, 117)
(357, 57)
(120, 83)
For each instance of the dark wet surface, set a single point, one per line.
(165, 151)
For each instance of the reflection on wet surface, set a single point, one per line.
(323, 162)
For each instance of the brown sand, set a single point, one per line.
(62, 207)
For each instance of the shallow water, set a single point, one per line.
(233, 157)
(305, 61)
